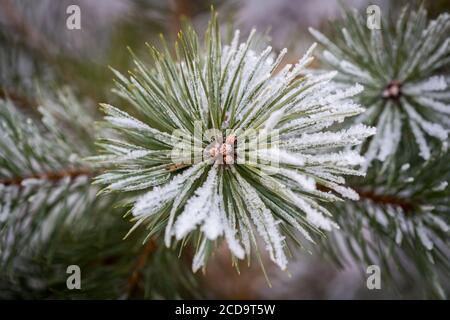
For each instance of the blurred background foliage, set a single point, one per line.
(39, 54)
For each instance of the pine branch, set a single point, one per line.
(48, 203)
(405, 224)
(403, 69)
(41, 174)
(401, 220)
(236, 91)
(48, 207)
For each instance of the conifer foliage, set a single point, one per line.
(401, 221)
(402, 67)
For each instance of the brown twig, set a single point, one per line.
(382, 199)
(136, 274)
(406, 205)
(181, 8)
(18, 99)
(51, 176)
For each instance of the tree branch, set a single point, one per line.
(381, 199)
(406, 205)
(136, 275)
